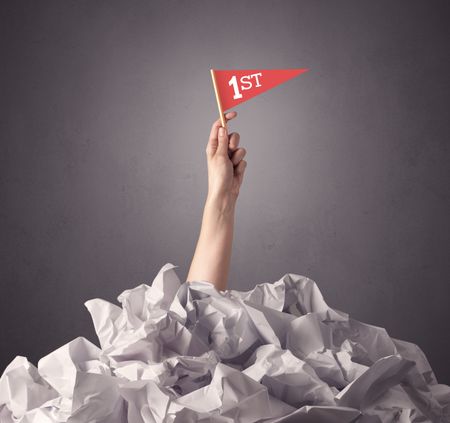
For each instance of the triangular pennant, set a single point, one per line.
(236, 86)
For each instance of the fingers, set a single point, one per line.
(213, 141)
(239, 171)
(217, 124)
(238, 155)
(234, 141)
(240, 168)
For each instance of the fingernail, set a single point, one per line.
(221, 131)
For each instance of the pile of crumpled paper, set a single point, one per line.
(185, 352)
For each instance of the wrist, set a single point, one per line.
(223, 204)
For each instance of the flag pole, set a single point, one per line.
(219, 103)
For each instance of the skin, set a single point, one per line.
(226, 169)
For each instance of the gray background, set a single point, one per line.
(105, 111)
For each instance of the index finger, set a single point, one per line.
(217, 124)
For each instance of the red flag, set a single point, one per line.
(236, 86)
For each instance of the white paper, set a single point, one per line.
(185, 352)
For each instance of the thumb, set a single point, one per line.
(223, 141)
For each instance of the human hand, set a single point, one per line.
(226, 166)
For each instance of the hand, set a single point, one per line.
(226, 166)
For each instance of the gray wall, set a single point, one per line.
(105, 111)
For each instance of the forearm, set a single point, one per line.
(212, 256)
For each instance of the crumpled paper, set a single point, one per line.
(185, 352)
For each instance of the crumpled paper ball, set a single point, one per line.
(184, 352)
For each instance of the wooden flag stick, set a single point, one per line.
(219, 103)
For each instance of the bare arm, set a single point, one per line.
(211, 261)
